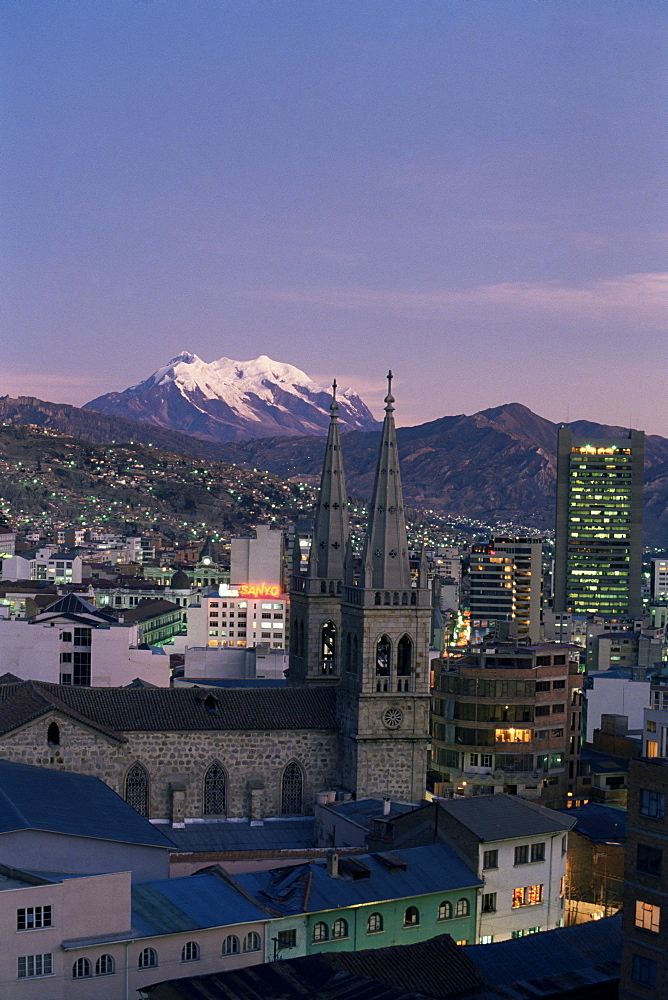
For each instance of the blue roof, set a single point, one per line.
(599, 823)
(308, 888)
(183, 904)
(285, 834)
(362, 811)
(40, 798)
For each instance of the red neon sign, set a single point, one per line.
(258, 590)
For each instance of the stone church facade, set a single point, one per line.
(354, 716)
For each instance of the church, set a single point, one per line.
(354, 716)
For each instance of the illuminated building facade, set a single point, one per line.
(236, 617)
(598, 549)
(508, 718)
(506, 583)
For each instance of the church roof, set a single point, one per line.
(119, 710)
(39, 798)
(331, 529)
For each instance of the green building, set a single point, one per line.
(349, 903)
(598, 546)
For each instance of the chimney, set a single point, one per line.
(387, 805)
(333, 864)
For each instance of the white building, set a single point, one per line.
(519, 849)
(236, 617)
(259, 559)
(71, 642)
(47, 563)
(659, 578)
(615, 693)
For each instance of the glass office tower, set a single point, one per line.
(598, 547)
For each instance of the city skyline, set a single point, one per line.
(329, 184)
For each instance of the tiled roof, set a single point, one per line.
(502, 817)
(39, 798)
(172, 709)
(147, 609)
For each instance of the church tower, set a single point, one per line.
(315, 598)
(383, 698)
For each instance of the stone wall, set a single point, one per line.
(181, 759)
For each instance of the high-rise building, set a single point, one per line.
(598, 548)
(505, 579)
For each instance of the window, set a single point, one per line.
(462, 942)
(30, 966)
(82, 969)
(652, 804)
(53, 734)
(105, 966)
(648, 860)
(542, 710)
(328, 648)
(292, 790)
(81, 669)
(411, 917)
(643, 970)
(404, 656)
(528, 895)
(473, 758)
(445, 910)
(66, 637)
(557, 709)
(320, 931)
(522, 854)
(374, 924)
(214, 790)
(382, 661)
(647, 916)
(489, 902)
(136, 788)
(32, 918)
(558, 685)
(286, 939)
(65, 657)
(462, 908)
(252, 941)
(231, 945)
(485, 760)
(542, 685)
(490, 859)
(538, 852)
(148, 958)
(340, 928)
(82, 636)
(487, 939)
(190, 952)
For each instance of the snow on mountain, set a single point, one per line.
(228, 400)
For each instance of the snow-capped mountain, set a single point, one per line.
(229, 400)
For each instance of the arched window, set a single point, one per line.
(252, 941)
(231, 945)
(349, 661)
(356, 655)
(340, 928)
(148, 958)
(375, 923)
(53, 734)
(462, 908)
(215, 783)
(82, 969)
(292, 790)
(105, 966)
(445, 910)
(383, 650)
(377, 598)
(136, 788)
(404, 663)
(328, 650)
(190, 952)
(411, 917)
(320, 931)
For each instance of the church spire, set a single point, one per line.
(330, 534)
(386, 563)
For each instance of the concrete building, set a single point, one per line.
(508, 718)
(658, 578)
(257, 560)
(506, 585)
(238, 617)
(615, 692)
(47, 563)
(598, 545)
(71, 642)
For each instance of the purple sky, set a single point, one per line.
(471, 193)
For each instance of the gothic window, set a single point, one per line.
(53, 734)
(404, 663)
(349, 664)
(292, 790)
(136, 788)
(383, 657)
(328, 648)
(377, 598)
(356, 654)
(323, 587)
(215, 782)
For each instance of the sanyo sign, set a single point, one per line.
(250, 590)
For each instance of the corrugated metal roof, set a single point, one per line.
(600, 823)
(207, 837)
(182, 904)
(40, 798)
(435, 868)
(503, 817)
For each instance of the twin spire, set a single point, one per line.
(385, 560)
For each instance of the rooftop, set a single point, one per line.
(602, 824)
(279, 834)
(504, 817)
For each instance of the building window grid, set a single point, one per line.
(648, 916)
(528, 895)
(33, 966)
(30, 918)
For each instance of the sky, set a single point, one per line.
(469, 192)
